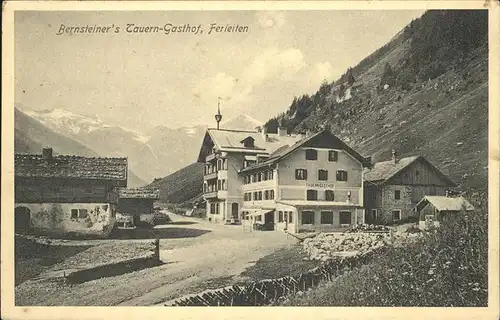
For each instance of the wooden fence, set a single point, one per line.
(266, 292)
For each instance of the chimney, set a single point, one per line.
(394, 156)
(264, 134)
(282, 131)
(47, 154)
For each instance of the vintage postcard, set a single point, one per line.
(250, 154)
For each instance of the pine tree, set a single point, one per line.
(350, 77)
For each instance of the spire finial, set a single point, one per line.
(218, 116)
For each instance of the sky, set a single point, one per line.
(144, 80)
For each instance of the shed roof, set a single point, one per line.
(139, 193)
(443, 203)
(71, 167)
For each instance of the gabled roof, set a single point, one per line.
(443, 203)
(333, 142)
(232, 141)
(387, 169)
(382, 172)
(71, 167)
(139, 193)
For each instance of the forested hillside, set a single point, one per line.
(424, 92)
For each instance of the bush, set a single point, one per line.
(448, 267)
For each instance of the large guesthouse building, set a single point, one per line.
(281, 181)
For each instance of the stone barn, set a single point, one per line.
(392, 188)
(64, 194)
(136, 204)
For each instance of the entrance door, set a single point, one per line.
(429, 221)
(22, 218)
(269, 220)
(234, 210)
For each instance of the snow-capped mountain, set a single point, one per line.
(242, 122)
(73, 124)
(31, 135)
(152, 154)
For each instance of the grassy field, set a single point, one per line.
(448, 267)
(34, 258)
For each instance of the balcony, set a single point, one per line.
(210, 176)
(210, 195)
(210, 157)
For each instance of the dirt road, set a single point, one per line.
(213, 256)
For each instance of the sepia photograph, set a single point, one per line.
(250, 157)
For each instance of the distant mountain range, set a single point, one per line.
(153, 154)
(30, 136)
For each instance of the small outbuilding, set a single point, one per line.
(432, 210)
(136, 204)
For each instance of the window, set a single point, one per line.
(259, 176)
(218, 185)
(260, 195)
(271, 195)
(326, 217)
(311, 154)
(397, 194)
(396, 215)
(74, 213)
(341, 175)
(290, 214)
(271, 175)
(300, 174)
(82, 213)
(54, 189)
(280, 216)
(312, 195)
(218, 164)
(417, 173)
(322, 174)
(266, 195)
(345, 217)
(329, 195)
(225, 164)
(217, 205)
(333, 156)
(256, 195)
(307, 217)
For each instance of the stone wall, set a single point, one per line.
(59, 218)
(389, 203)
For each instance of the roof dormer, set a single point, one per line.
(248, 142)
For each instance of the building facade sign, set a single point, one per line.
(320, 185)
